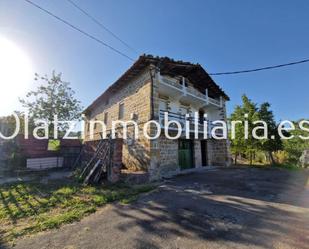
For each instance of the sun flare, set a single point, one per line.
(16, 74)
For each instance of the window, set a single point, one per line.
(105, 118)
(95, 124)
(121, 111)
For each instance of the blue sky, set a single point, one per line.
(221, 35)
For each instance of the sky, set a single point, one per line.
(221, 35)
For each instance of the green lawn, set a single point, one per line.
(31, 207)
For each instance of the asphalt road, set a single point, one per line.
(223, 208)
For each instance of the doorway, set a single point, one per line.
(185, 154)
(204, 152)
(201, 116)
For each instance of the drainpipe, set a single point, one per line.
(151, 91)
(221, 101)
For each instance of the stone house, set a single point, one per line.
(150, 87)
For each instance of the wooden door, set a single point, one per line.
(185, 154)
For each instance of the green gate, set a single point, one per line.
(185, 154)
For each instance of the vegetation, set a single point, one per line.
(52, 97)
(9, 149)
(294, 147)
(273, 143)
(271, 149)
(31, 207)
(53, 144)
(239, 144)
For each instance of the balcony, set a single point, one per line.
(180, 91)
(181, 118)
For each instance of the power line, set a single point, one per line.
(79, 30)
(128, 57)
(102, 26)
(262, 68)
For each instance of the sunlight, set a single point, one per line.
(16, 74)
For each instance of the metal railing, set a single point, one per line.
(182, 119)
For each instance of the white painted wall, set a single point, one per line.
(176, 107)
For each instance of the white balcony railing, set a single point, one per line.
(189, 91)
(172, 82)
(181, 118)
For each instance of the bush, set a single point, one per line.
(281, 157)
(13, 155)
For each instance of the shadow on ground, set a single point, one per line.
(223, 208)
(235, 207)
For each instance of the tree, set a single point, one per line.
(295, 146)
(52, 97)
(273, 141)
(9, 148)
(8, 124)
(264, 142)
(248, 112)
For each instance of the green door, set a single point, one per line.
(185, 154)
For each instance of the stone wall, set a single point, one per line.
(115, 172)
(136, 97)
(136, 151)
(218, 152)
(197, 154)
(168, 151)
(166, 159)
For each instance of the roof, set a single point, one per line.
(194, 72)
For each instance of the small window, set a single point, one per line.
(95, 124)
(121, 111)
(105, 118)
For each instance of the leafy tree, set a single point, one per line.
(8, 124)
(10, 149)
(273, 142)
(52, 97)
(241, 144)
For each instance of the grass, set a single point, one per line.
(287, 166)
(27, 208)
(292, 167)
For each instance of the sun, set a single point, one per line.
(16, 74)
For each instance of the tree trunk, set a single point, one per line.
(251, 161)
(272, 161)
(235, 161)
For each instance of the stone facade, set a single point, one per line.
(135, 96)
(159, 157)
(218, 152)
